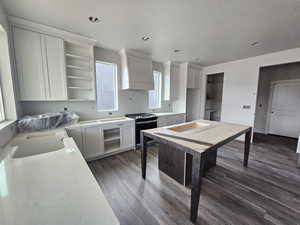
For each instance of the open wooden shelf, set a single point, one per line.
(87, 69)
(80, 72)
(80, 57)
(112, 139)
(81, 88)
(80, 77)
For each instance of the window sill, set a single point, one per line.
(6, 123)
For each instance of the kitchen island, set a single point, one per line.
(200, 139)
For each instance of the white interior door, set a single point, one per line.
(285, 109)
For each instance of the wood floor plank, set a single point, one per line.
(265, 193)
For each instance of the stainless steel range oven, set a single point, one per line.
(143, 121)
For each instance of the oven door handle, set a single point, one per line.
(146, 122)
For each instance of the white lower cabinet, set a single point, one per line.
(100, 140)
(92, 142)
(128, 136)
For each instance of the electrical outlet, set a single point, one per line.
(246, 106)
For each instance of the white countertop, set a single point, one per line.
(103, 121)
(167, 113)
(55, 188)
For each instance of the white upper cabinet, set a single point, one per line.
(52, 64)
(29, 64)
(194, 73)
(40, 66)
(136, 71)
(56, 68)
(171, 81)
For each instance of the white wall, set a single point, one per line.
(241, 82)
(129, 101)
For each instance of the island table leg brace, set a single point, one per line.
(197, 170)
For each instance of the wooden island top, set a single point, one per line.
(210, 136)
(200, 139)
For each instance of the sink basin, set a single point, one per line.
(190, 127)
(37, 144)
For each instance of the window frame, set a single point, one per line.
(159, 90)
(2, 111)
(116, 91)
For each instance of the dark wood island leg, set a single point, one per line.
(197, 173)
(247, 147)
(143, 142)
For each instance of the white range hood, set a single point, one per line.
(137, 73)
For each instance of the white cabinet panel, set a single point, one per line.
(76, 134)
(29, 64)
(193, 75)
(93, 142)
(56, 69)
(40, 66)
(171, 81)
(175, 81)
(128, 136)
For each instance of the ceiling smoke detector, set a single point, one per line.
(93, 19)
(145, 38)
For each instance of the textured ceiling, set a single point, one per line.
(213, 31)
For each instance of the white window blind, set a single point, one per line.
(107, 88)
(155, 95)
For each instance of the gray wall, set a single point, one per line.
(129, 101)
(266, 76)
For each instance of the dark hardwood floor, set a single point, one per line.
(267, 192)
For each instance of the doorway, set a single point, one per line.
(278, 101)
(214, 93)
(284, 108)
